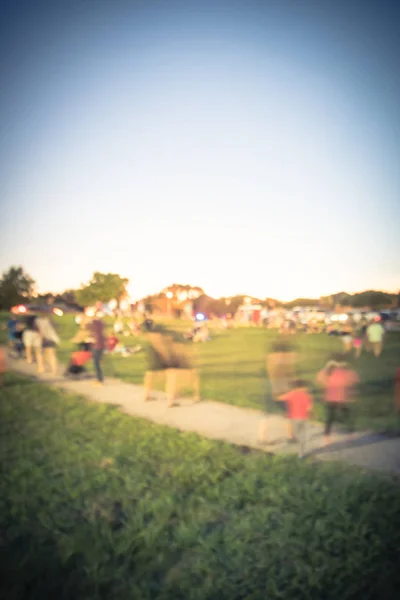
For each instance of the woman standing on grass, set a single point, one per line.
(96, 328)
(33, 342)
(50, 340)
(339, 381)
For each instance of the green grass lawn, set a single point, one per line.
(232, 369)
(99, 505)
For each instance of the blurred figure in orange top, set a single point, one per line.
(299, 404)
(78, 360)
(339, 382)
(111, 342)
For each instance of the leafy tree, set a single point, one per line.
(47, 298)
(234, 304)
(371, 298)
(16, 287)
(177, 288)
(103, 287)
(303, 302)
(69, 297)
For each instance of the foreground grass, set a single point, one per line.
(95, 504)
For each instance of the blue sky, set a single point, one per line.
(247, 147)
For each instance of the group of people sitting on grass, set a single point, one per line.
(199, 332)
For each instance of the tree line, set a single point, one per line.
(17, 287)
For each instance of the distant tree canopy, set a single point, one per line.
(68, 297)
(301, 302)
(370, 298)
(373, 299)
(16, 286)
(103, 287)
(218, 307)
(177, 288)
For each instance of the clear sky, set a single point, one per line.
(243, 146)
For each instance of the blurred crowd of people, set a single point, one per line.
(368, 335)
(36, 337)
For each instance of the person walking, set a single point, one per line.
(33, 343)
(50, 341)
(19, 345)
(375, 335)
(339, 381)
(96, 328)
(299, 404)
(347, 339)
(12, 327)
(358, 340)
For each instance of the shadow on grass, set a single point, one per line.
(32, 379)
(43, 573)
(368, 439)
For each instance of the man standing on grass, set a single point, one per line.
(97, 331)
(375, 334)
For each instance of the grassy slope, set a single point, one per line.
(95, 504)
(232, 369)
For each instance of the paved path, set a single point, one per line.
(229, 423)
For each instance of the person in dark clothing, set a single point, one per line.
(98, 346)
(11, 326)
(33, 342)
(339, 381)
(18, 343)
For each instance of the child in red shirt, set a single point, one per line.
(78, 359)
(299, 405)
(112, 342)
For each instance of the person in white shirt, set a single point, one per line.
(375, 335)
(50, 340)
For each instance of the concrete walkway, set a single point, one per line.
(221, 421)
